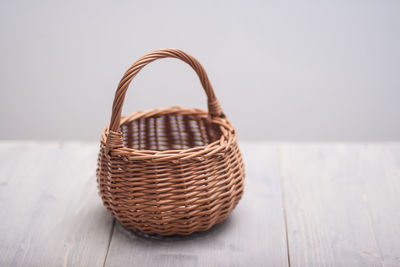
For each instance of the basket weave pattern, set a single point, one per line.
(173, 170)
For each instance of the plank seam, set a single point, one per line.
(283, 202)
(109, 242)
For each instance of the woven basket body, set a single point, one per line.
(173, 170)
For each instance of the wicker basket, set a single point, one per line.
(173, 170)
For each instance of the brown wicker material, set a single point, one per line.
(173, 170)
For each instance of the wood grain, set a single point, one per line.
(328, 221)
(254, 234)
(49, 209)
(379, 169)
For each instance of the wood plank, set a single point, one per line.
(50, 211)
(328, 220)
(254, 234)
(342, 207)
(379, 167)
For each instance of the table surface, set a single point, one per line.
(305, 204)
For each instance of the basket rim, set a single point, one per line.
(226, 140)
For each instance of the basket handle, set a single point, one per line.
(214, 107)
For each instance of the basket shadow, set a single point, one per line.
(213, 233)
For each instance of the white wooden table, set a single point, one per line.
(311, 204)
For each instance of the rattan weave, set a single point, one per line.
(172, 170)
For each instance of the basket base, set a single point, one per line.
(214, 230)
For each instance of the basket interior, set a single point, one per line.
(169, 132)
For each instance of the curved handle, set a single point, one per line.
(214, 108)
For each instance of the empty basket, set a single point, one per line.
(172, 170)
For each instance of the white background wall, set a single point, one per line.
(300, 70)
